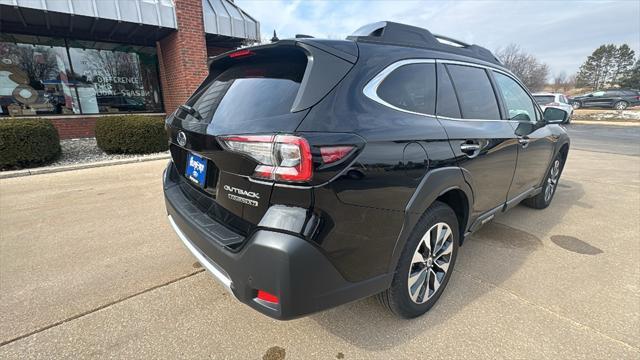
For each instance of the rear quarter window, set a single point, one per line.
(475, 93)
(411, 87)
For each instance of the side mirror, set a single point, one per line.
(554, 115)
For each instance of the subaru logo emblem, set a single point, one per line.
(181, 138)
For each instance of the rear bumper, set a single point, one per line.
(290, 267)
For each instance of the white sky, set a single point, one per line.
(559, 33)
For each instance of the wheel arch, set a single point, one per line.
(457, 200)
(444, 184)
(564, 151)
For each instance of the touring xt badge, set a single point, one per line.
(234, 192)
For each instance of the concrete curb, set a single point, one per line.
(604, 122)
(55, 169)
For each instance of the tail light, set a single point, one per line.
(281, 157)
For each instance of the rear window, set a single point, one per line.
(256, 96)
(475, 93)
(411, 87)
(544, 100)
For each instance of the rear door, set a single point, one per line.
(484, 144)
(535, 141)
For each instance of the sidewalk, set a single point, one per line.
(54, 169)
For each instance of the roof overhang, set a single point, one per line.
(227, 24)
(133, 21)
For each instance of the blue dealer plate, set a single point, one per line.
(196, 169)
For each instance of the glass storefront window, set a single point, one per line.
(34, 78)
(115, 79)
(50, 76)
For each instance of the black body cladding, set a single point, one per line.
(471, 149)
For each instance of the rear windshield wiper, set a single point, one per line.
(191, 111)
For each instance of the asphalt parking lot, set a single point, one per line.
(89, 268)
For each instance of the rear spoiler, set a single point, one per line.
(328, 61)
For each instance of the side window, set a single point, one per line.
(563, 99)
(475, 93)
(447, 104)
(598, 93)
(518, 103)
(411, 87)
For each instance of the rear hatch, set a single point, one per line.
(235, 137)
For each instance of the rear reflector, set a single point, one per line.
(241, 53)
(331, 154)
(265, 296)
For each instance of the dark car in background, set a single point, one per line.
(618, 99)
(309, 173)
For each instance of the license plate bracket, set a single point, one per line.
(196, 169)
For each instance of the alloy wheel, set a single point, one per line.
(430, 263)
(552, 180)
(621, 105)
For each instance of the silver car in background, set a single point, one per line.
(555, 100)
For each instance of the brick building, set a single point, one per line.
(73, 61)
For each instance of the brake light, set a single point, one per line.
(281, 157)
(265, 296)
(331, 154)
(241, 53)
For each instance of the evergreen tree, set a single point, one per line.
(606, 66)
(632, 78)
(624, 63)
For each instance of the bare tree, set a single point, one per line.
(560, 81)
(571, 81)
(39, 63)
(525, 66)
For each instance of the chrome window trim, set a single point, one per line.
(370, 90)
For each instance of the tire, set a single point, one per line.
(544, 198)
(424, 269)
(621, 105)
(576, 105)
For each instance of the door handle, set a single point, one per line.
(524, 141)
(470, 149)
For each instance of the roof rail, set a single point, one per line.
(392, 33)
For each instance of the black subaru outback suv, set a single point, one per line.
(309, 173)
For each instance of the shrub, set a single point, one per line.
(27, 143)
(131, 134)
